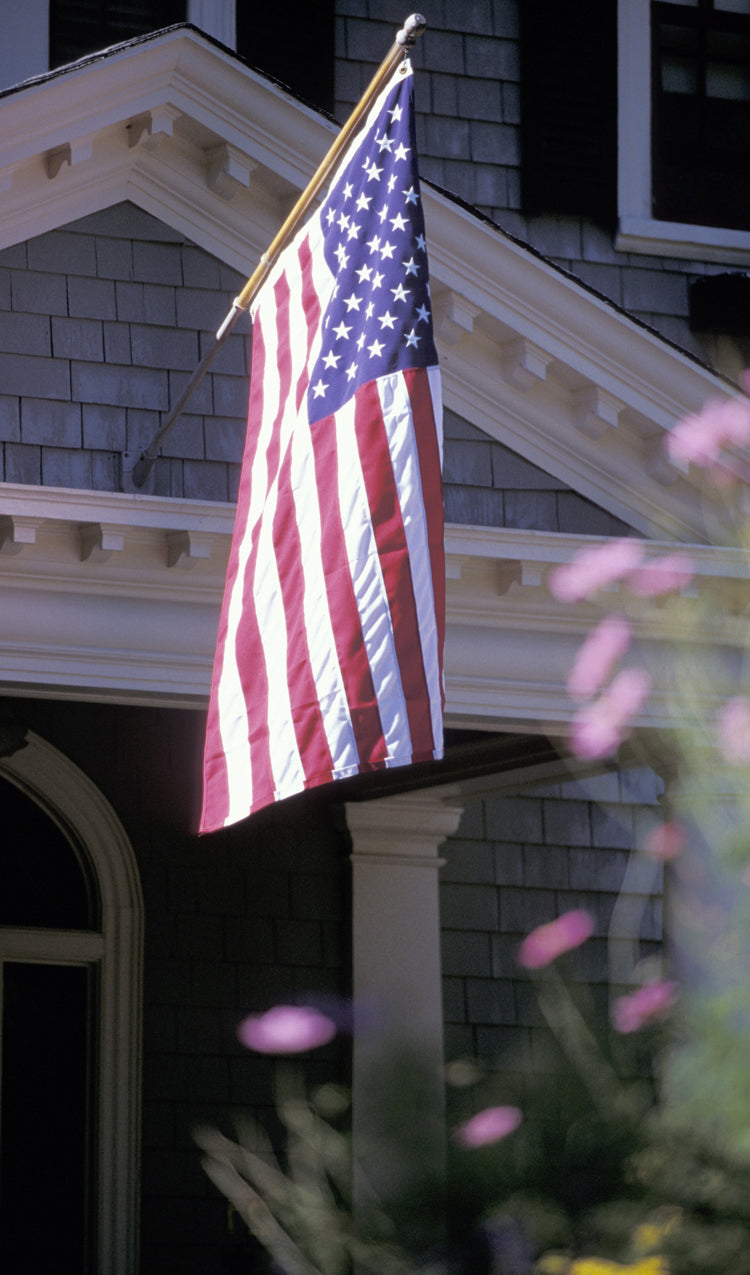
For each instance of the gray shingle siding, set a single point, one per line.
(101, 322)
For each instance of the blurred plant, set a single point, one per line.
(637, 1159)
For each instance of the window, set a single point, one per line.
(684, 128)
(90, 25)
(70, 965)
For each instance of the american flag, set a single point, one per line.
(330, 645)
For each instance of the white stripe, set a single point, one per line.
(399, 425)
(369, 588)
(436, 393)
(326, 672)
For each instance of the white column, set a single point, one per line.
(396, 962)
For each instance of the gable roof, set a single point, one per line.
(181, 127)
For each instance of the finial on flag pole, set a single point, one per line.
(134, 480)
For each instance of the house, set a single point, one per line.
(578, 316)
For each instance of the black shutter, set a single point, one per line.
(569, 108)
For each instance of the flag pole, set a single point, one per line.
(405, 40)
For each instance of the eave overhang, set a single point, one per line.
(115, 598)
(536, 360)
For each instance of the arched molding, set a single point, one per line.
(87, 819)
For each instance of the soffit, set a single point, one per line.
(115, 598)
(530, 356)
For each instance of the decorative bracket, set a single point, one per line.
(17, 531)
(595, 411)
(454, 317)
(185, 548)
(99, 540)
(524, 364)
(68, 155)
(147, 129)
(228, 170)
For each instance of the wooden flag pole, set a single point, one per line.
(405, 40)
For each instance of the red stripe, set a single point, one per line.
(312, 741)
(418, 386)
(215, 783)
(390, 537)
(342, 603)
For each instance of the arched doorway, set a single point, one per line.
(71, 920)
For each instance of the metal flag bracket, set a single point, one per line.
(136, 475)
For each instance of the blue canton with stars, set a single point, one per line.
(378, 319)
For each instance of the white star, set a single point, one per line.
(364, 274)
(399, 294)
(420, 243)
(377, 280)
(331, 359)
(319, 389)
(423, 314)
(342, 257)
(330, 216)
(342, 331)
(402, 151)
(353, 302)
(343, 221)
(348, 188)
(412, 338)
(410, 266)
(383, 213)
(364, 201)
(369, 310)
(387, 250)
(373, 172)
(376, 349)
(353, 231)
(351, 371)
(395, 112)
(391, 182)
(398, 222)
(373, 244)
(387, 320)
(360, 340)
(410, 195)
(384, 143)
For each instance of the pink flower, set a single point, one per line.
(662, 575)
(598, 729)
(630, 1013)
(699, 438)
(602, 648)
(286, 1029)
(665, 841)
(593, 568)
(544, 944)
(733, 727)
(488, 1126)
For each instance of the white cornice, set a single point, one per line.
(136, 621)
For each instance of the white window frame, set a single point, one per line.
(638, 229)
(82, 812)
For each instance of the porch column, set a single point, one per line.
(396, 960)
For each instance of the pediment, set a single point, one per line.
(542, 365)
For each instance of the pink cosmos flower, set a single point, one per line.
(593, 568)
(699, 438)
(662, 575)
(733, 728)
(630, 1013)
(665, 841)
(601, 649)
(286, 1029)
(598, 729)
(488, 1126)
(544, 944)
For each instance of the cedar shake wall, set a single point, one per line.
(518, 861)
(468, 89)
(102, 322)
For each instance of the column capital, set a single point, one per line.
(407, 827)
